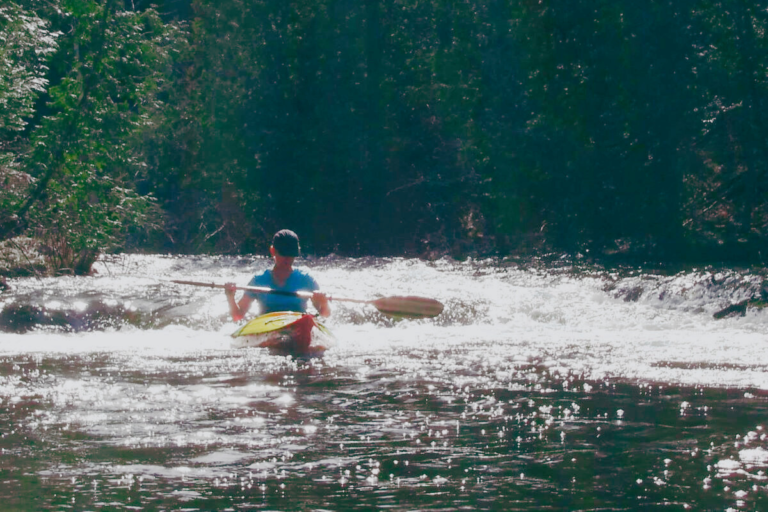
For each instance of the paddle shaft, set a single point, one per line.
(411, 307)
(262, 289)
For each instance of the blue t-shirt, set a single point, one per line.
(297, 281)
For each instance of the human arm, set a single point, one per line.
(239, 309)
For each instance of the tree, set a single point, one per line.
(85, 155)
(728, 206)
(27, 43)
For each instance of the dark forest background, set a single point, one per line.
(615, 129)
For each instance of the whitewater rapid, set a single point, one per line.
(597, 324)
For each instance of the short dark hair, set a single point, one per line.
(286, 243)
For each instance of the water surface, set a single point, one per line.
(540, 387)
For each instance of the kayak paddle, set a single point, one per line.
(408, 307)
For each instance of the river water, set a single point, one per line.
(540, 387)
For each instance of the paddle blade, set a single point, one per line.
(409, 307)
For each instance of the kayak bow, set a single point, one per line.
(286, 331)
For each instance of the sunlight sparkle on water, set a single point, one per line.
(534, 384)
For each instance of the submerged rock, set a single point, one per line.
(21, 318)
(740, 308)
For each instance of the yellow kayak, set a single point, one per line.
(287, 331)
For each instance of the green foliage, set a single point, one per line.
(729, 193)
(411, 126)
(26, 43)
(197, 157)
(429, 125)
(86, 152)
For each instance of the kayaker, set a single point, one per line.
(284, 250)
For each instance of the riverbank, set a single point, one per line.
(24, 256)
(21, 257)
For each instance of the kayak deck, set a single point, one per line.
(285, 331)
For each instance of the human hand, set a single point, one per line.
(320, 301)
(230, 289)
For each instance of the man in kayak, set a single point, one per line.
(284, 250)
